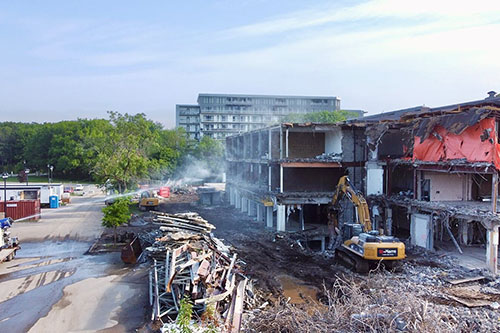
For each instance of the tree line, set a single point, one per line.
(121, 151)
(320, 117)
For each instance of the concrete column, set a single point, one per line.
(231, 196)
(281, 142)
(494, 192)
(464, 233)
(237, 200)
(269, 216)
(269, 179)
(286, 145)
(250, 207)
(281, 218)
(244, 204)
(492, 249)
(281, 178)
(388, 221)
(301, 218)
(260, 212)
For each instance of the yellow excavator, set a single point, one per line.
(148, 201)
(362, 247)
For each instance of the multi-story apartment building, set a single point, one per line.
(188, 116)
(220, 115)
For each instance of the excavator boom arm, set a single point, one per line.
(344, 187)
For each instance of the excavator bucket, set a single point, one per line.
(131, 251)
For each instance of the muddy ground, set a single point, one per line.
(270, 260)
(311, 292)
(298, 289)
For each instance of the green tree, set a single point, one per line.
(122, 155)
(168, 154)
(320, 117)
(116, 214)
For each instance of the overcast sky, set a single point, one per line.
(77, 59)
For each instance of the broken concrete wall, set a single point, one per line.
(311, 179)
(421, 231)
(353, 145)
(374, 179)
(305, 144)
(333, 141)
(448, 187)
(354, 153)
(275, 144)
(263, 144)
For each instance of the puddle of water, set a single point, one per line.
(38, 275)
(296, 290)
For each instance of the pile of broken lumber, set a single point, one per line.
(188, 262)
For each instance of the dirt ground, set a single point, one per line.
(268, 258)
(311, 292)
(299, 290)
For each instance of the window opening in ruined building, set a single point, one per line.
(426, 190)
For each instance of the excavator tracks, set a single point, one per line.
(352, 261)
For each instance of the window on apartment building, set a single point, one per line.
(222, 118)
(208, 118)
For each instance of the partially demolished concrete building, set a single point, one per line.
(429, 174)
(286, 174)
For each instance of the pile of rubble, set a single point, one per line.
(190, 264)
(429, 293)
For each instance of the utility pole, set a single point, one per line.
(5, 176)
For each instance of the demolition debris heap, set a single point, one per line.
(189, 262)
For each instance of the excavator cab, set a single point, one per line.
(351, 230)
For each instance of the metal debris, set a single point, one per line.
(188, 262)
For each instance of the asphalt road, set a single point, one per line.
(53, 286)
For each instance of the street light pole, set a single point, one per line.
(27, 172)
(51, 170)
(5, 176)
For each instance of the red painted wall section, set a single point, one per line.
(448, 146)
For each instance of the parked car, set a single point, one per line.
(79, 187)
(68, 189)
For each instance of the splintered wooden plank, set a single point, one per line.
(470, 303)
(203, 270)
(238, 306)
(471, 279)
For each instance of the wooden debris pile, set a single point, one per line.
(189, 262)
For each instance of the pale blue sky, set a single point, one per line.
(69, 59)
